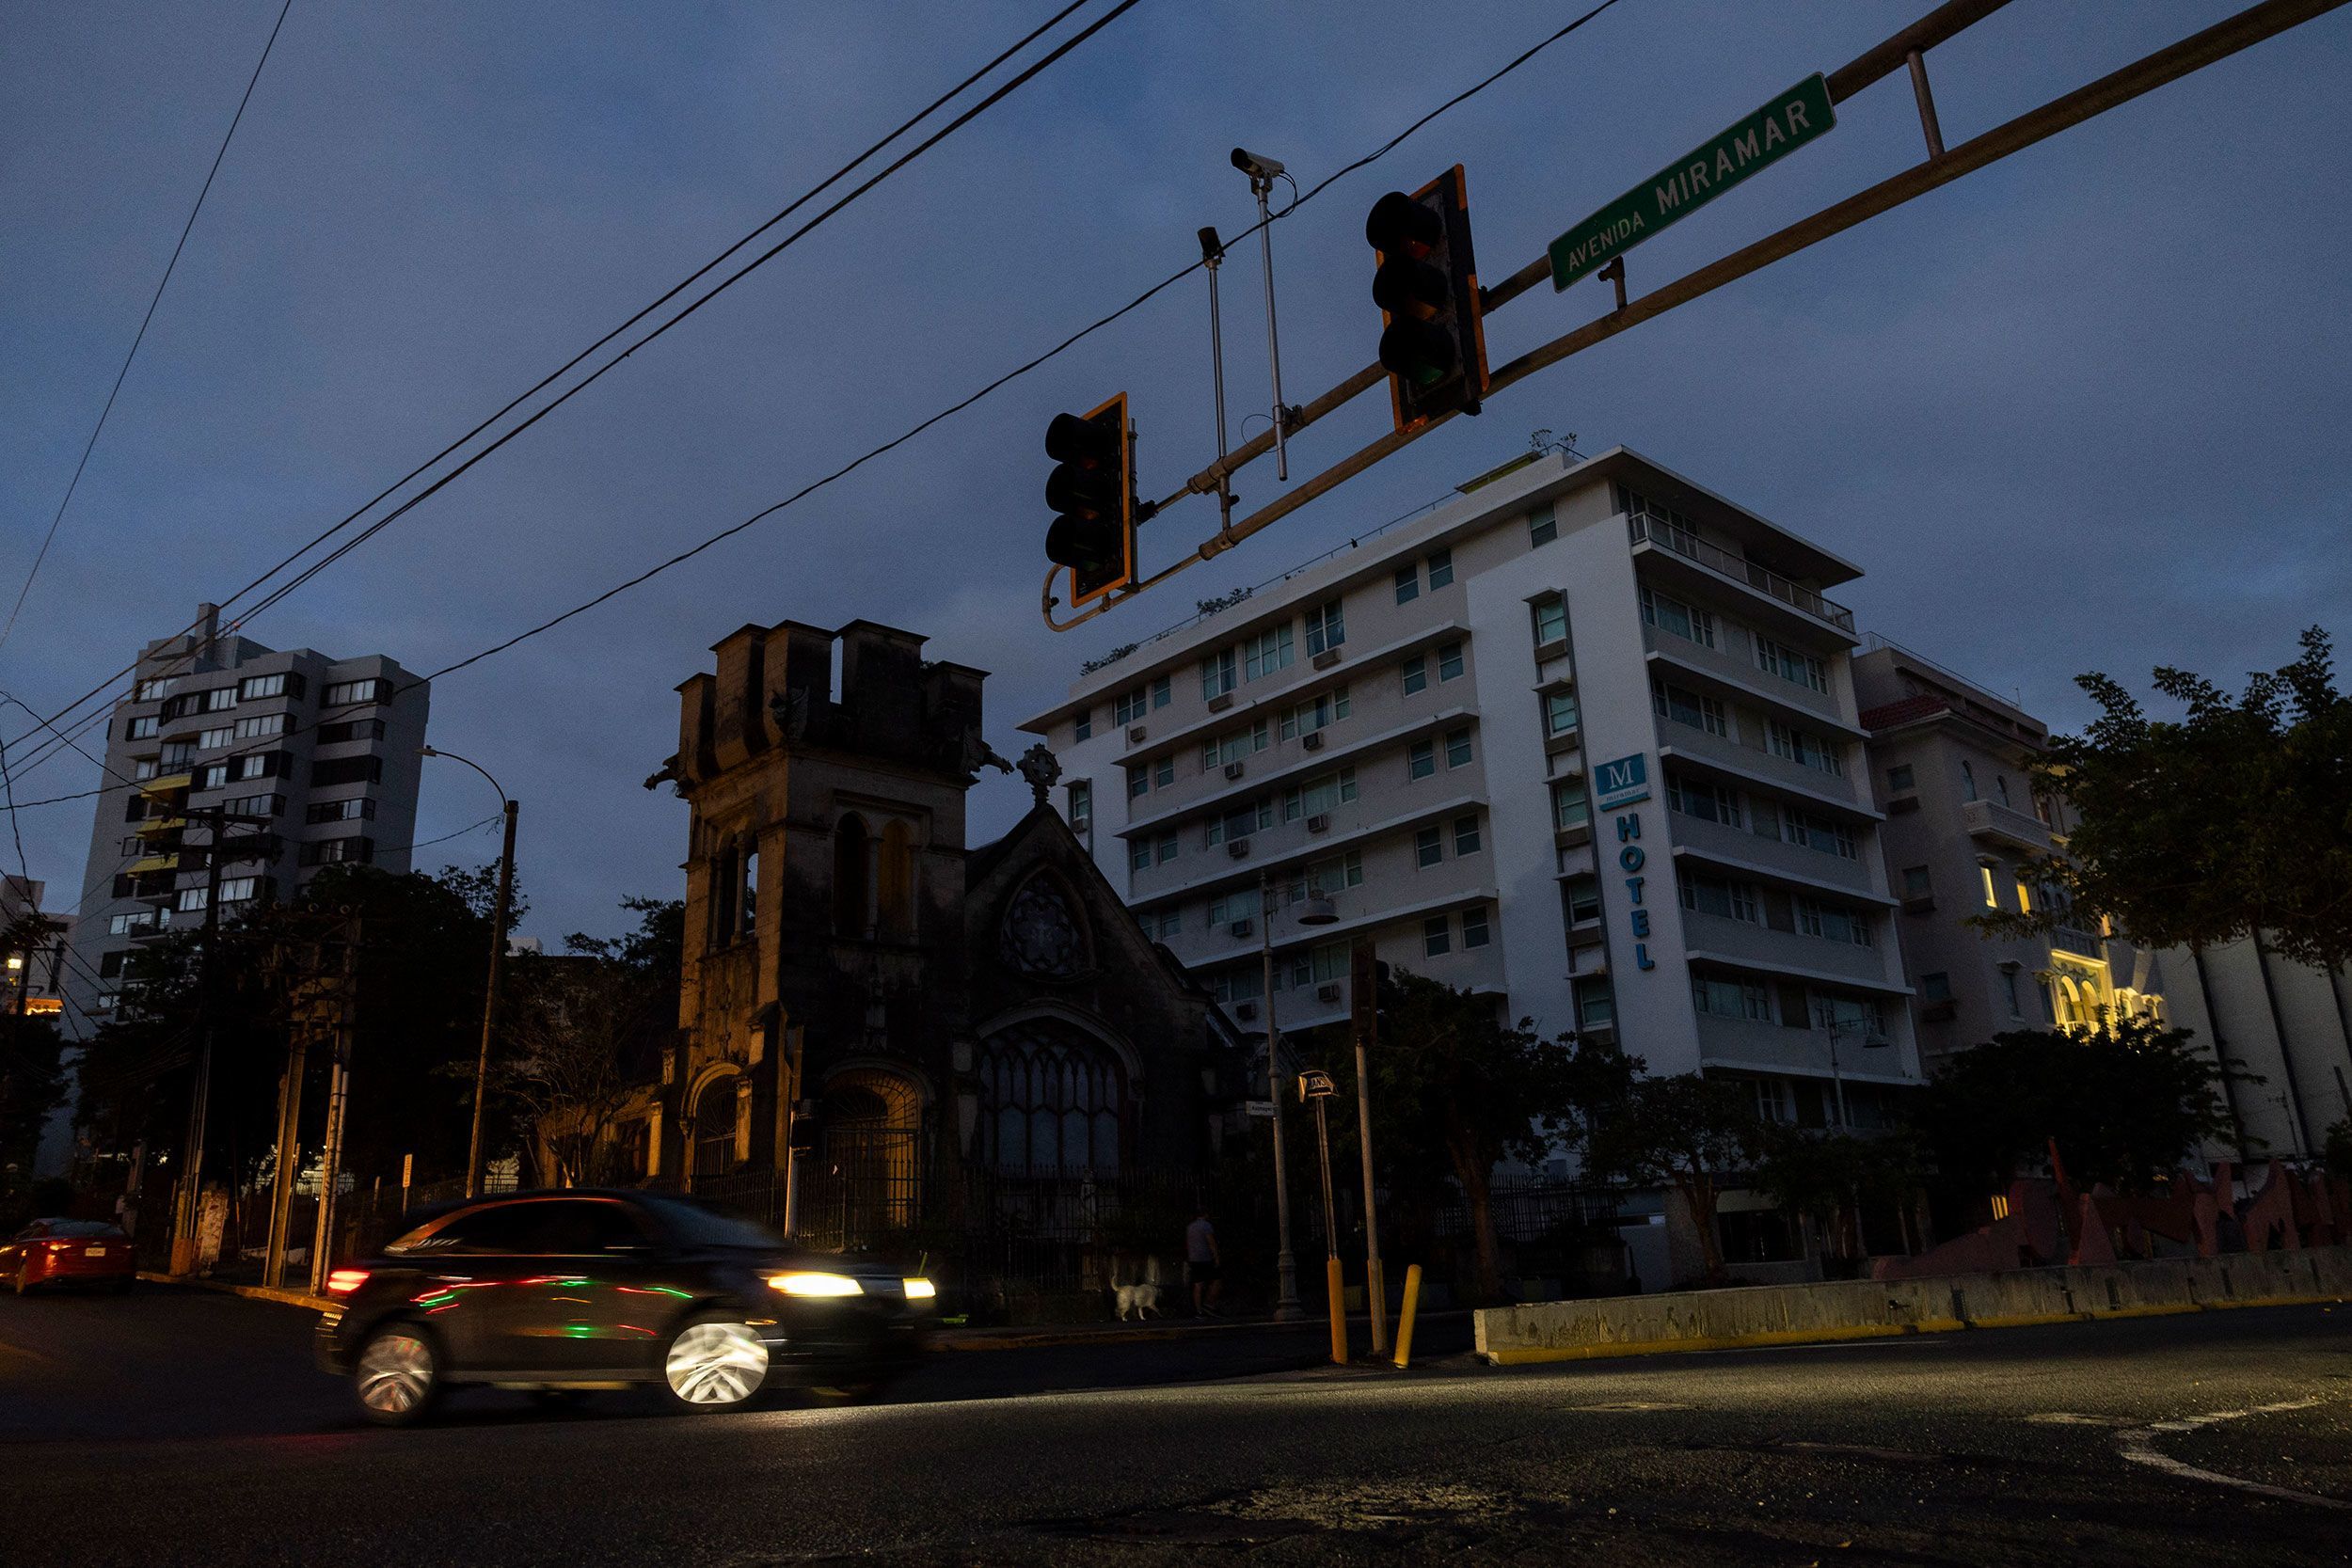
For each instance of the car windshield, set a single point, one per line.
(79, 1228)
(693, 1224)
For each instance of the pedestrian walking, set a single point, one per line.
(1204, 1264)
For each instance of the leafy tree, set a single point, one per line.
(32, 1078)
(1456, 1089)
(2337, 1150)
(586, 1030)
(1685, 1131)
(1833, 1175)
(2124, 1102)
(2235, 820)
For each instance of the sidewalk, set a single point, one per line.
(945, 1338)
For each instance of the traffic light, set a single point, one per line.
(1433, 341)
(1093, 492)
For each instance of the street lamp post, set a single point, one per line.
(498, 957)
(1317, 911)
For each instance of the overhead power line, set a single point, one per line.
(552, 377)
(1024, 367)
(87, 446)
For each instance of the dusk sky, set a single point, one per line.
(2085, 409)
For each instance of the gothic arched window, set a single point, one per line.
(1051, 1100)
(852, 886)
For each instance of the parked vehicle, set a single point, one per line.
(563, 1292)
(69, 1252)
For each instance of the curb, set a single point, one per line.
(1531, 1356)
(1028, 1338)
(251, 1292)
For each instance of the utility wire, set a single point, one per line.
(88, 446)
(707, 267)
(1022, 369)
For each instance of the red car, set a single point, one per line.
(78, 1252)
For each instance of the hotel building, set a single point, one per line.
(1584, 739)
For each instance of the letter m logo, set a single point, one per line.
(1623, 781)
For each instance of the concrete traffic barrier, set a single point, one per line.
(1862, 1308)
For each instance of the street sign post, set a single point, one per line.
(1693, 181)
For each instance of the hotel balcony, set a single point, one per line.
(1720, 562)
(1988, 820)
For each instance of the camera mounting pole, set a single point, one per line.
(1213, 257)
(1263, 173)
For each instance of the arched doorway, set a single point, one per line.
(714, 1127)
(871, 1169)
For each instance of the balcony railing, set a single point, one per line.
(2074, 940)
(1715, 559)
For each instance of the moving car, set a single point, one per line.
(62, 1251)
(566, 1291)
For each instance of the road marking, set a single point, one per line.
(2139, 1445)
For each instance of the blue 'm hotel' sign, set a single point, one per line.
(1616, 785)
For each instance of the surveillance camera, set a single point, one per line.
(1212, 249)
(1253, 166)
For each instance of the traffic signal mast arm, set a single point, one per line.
(2250, 27)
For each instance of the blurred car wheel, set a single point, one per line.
(397, 1376)
(713, 1363)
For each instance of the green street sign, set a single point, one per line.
(1690, 182)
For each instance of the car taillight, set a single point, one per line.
(341, 1282)
(59, 1246)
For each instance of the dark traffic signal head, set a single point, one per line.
(1433, 344)
(1092, 493)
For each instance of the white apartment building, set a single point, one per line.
(1583, 737)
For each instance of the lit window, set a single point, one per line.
(1992, 897)
(2025, 901)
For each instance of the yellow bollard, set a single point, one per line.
(1339, 1310)
(1405, 1318)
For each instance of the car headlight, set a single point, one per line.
(811, 1282)
(921, 1289)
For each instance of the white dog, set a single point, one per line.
(1141, 1297)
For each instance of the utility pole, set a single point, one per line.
(1286, 1307)
(1365, 1002)
(187, 1244)
(331, 1150)
(498, 961)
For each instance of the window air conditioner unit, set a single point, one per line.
(1327, 658)
(1242, 927)
(1135, 734)
(1319, 822)
(1219, 703)
(1312, 740)
(1232, 771)
(1328, 994)
(1245, 1009)
(1239, 847)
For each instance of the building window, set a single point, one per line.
(359, 809)
(1466, 840)
(1805, 748)
(1420, 760)
(192, 899)
(1083, 729)
(1819, 832)
(1139, 781)
(1559, 716)
(1992, 895)
(1741, 999)
(1967, 781)
(1449, 660)
(1219, 674)
(1580, 897)
(1918, 883)
(2025, 900)
(2000, 788)
(1437, 939)
(353, 729)
(1239, 823)
(1051, 1100)
(1128, 706)
(1081, 806)
(1711, 802)
(339, 851)
(1542, 526)
(1686, 707)
(143, 726)
(340, 770)
(151, 690)
(1232, 748)
(207, 740)
(2008, 992)
(350, 693)
(239, 890)
(1474, 928)
(1791, 664)
(1596, 1005)
(278, 765)
(1458, 748)
(1718, 896)
(1170, 923)
(1416, 674)
(1313, 714)
(256, 686)
(1164, 848)
(1571, 808)
(1407, 583)
(1267, 652)
(214, 775)
(1668, 613)
(1551, 620)
(1902, 779)
(220, 699)
(1163, 690)
(1428, 846)
(1440, 569)
(262, 724)
(1326, 628)
(1935, 988)
(1319, 795)
(1140, 855)
(1834, 922)
(1163, 771)
(1331, 875)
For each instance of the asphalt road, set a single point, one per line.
(175, 1426)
